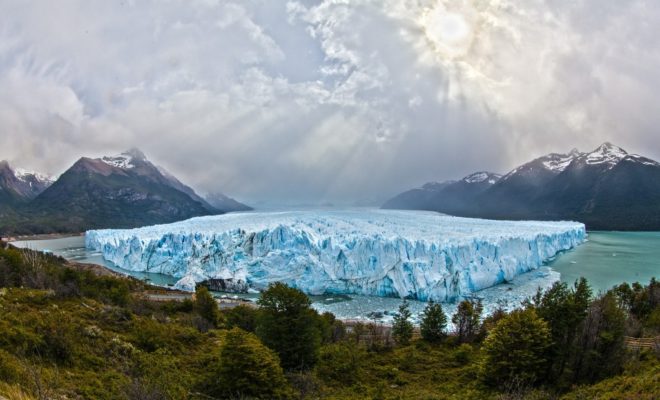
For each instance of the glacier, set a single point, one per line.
(408, 254)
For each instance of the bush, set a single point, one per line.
(515, 350)
(150, 335)
(340, 363)
(59, 341)
(156, 376)
(332, 329)
(206, 306)
(463, 354)
(248, 369)
(241, 316)
(10, 367)
(288, 325)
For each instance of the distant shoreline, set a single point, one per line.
(44, 236)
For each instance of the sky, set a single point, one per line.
(313, 101)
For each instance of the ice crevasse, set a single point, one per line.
(412, 254)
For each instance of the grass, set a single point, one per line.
(83, 336)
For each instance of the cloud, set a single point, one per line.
(328, 100)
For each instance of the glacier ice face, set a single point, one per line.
(413, 254)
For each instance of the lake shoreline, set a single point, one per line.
(42, 236)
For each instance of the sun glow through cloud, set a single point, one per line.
(449, 33)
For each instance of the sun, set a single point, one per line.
(448, 32)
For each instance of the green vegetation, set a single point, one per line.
(402, 329)
(467, 320)
(287, 324)
(516, 349)
(567, 310)
(206, 307)
(248, 369)
(72, 332)
(433, 323)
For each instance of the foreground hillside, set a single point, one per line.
(70, 332)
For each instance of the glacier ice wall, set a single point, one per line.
(414, 254)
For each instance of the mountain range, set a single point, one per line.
(607, 189)
(121, 191)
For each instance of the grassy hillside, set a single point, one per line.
(71, 332)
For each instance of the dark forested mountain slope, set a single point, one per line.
(606, 189)
(122, 191)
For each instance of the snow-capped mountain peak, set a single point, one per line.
(23, 183)
(606, 153)
(120, 161)
(30, 176)
(553, 162)
(558, 162)
(642, 160)
(482, 176)
(125, 160)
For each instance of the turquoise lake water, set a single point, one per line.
(609, 258)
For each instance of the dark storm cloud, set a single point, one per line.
(309, 101)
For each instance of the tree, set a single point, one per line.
(402, 329)
(467, 319)
(600, 350)
(206, 306)
(515, 349)
(242, 316)
(639, 300)
(248, 369)
(287, 324)
(333, 329)
(433, 323)
(563, 310)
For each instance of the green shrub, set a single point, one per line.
(149, 335)
(206, 306)
(288, 325)
(241, 316)
(339, 362)
(157, 375)
(463, 354)
(248, 369)
(59, 340)
(515, 350)
(10, 367)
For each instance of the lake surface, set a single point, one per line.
(609, 258)
(606, 259)
(73, 249)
